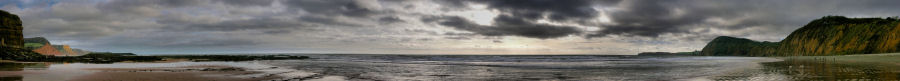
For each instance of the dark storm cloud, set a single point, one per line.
(522, 15)
(335, 7)
(652, 18)
(248, 2)
(389, 20)
(558, 10)
(505, 26)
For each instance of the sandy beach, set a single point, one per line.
(187, 73)
(152, 71)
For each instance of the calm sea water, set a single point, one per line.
(509, 68)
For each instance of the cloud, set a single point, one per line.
(389, 19)
(557, 10)
(506, 25)
(652, 18)
(421, 26)
(352, 8)
(235, 25)
(248, 2)
(520, 17)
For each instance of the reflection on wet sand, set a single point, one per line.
(822, 69)
(6, 66)
(11, 78)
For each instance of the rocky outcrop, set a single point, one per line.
(11, 41)
(10, 30)
(830, 35)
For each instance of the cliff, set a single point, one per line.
(830, 35)
(10, 30)
(836, 35)
(48, 49)
(731, 46)
(65, 50)
(11, 41)
(43, 46)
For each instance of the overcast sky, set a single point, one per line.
(421, 26)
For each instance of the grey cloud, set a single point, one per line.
(248, 2)
(265, 23)
(389, 20)
(559, 10)
(155, 24)
(505, 26)
(209, 43)
(334, 7)
(145, 7)
(651, 18)
(458, 38)
(325, 21)
(521, 17)
(276, 32)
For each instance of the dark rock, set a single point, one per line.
(10, 30)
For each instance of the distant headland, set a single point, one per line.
(829, 35)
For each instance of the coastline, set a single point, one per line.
(887, 58)
(185, 73)
(152, 71)
(874, 67)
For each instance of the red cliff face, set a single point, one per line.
(65, 50)
(47, 49)
(68, 51)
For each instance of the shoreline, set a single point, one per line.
(888, 58)
(152, 71)
(185, 73)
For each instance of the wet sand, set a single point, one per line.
(188, 73)
(152, 71)
(863, 67)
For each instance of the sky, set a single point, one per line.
(618, 27)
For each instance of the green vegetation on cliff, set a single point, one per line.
(836, 35)
(731, 46)
(830, 35)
